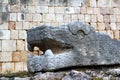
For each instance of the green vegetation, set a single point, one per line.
(17, 74)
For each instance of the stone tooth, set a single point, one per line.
(48, 53)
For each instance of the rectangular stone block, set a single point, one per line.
(116, 34)
(77, 10)
(89, 10)
(116, 10)
(5, 8)
(0, 45)
(117, 18)
(93, 3)
(106, 18)
(104, 3)
(25, 66)
(7, 67)
(83, 10)
(59, 9)
(94, 25)
(14, 34)
(26, 25)
(113, 26)
(11, 25)
(22, 34)
(101, 26)
(106, 11)
(96, 10)
(15, 8)
(110, 33)
(19, 25)
(118, 26)
(49, 18)
(16, 56)
(51, 9)
(13, 17)
(5, 56)
(4, 25)
(100, 18)
(67, 18)
(24, 56)
(8, 45)
(37, 17)
(59, 17)
(19, 66)
(20, 45)
(113, 18)
(41, 9)
(4, 34)
(93, 18)
(31, 9)
(29, 17)
(69, 10)
(87, 18)
(21, 16)
(107, 26)
(81, 17)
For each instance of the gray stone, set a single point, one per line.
(76, 44)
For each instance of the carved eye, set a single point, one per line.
(80, 34)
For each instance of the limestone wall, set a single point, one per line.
(17, 16)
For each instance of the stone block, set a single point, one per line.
(83, 10)
(118, 26)
(11, 25)
(94, 25)
(13, 34)
(41, 9)
(110, 33)
(77, 9)
(0, 45)
(25, 66)
(93, 3)
(19, 25)
(101, 26)
(96, 10)
(51, 9)
(117, 18)
(24, 9)
(21, 16)
(4, 25)
(0, 67)
(107, 26)
(81, 17)
(106, 18)
(29, 17)
(100, 18)
(93, 18)
(24, 56)
(66, 18)
(116, 34)
(74, 17)
(89, 10)
(4, 34)
(20, 45)
(116, 10)
(113, 18)
(26, 25)
(4, 17)
(7, 67)
(113, 26)
(8, 45)
(16, 56)
(22, 34)
(49, 18)
(13, 17)
(115, 3)
(106, 11)
(59, 17)
(14, 8)
(37, 17)
(5, 56)
(5, 8)
(19, 66)
(31, 9)
(87, 18)
(104, 3)
(60, 9)
(69, 10)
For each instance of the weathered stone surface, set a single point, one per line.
(76, 43)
